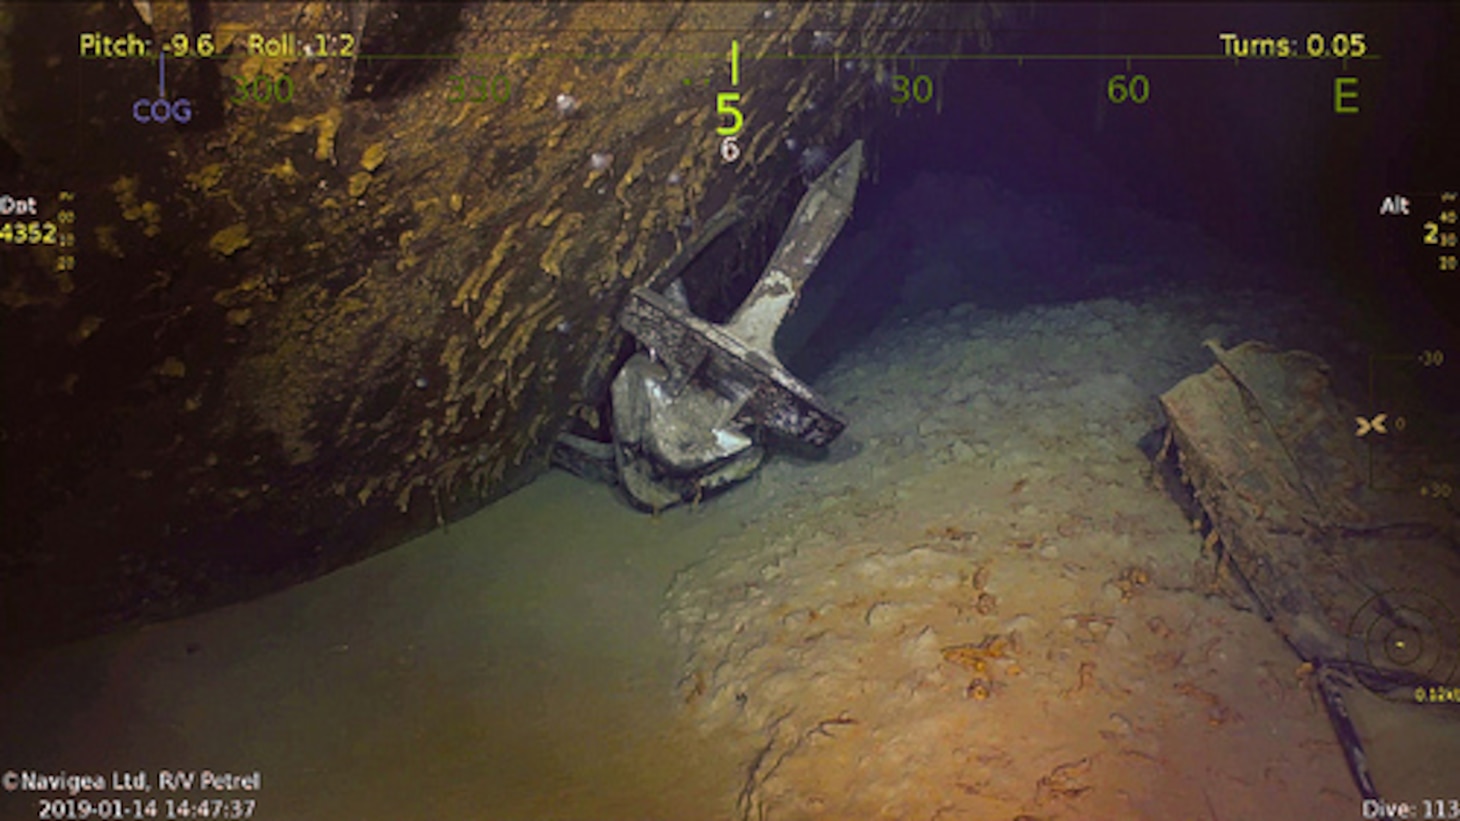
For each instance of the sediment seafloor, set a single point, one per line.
(990, 608)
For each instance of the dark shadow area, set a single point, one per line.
(1227, 175)
(404, 45)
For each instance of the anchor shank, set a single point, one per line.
(819, 217)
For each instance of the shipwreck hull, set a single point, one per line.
(305, 326)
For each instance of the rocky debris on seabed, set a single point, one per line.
(989, 609)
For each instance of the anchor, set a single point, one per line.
(695, 409)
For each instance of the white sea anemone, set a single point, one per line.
(823, 40)
(567, 104)
(813, 160)
(600, 160)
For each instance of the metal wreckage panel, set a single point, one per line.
(1339, 567)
